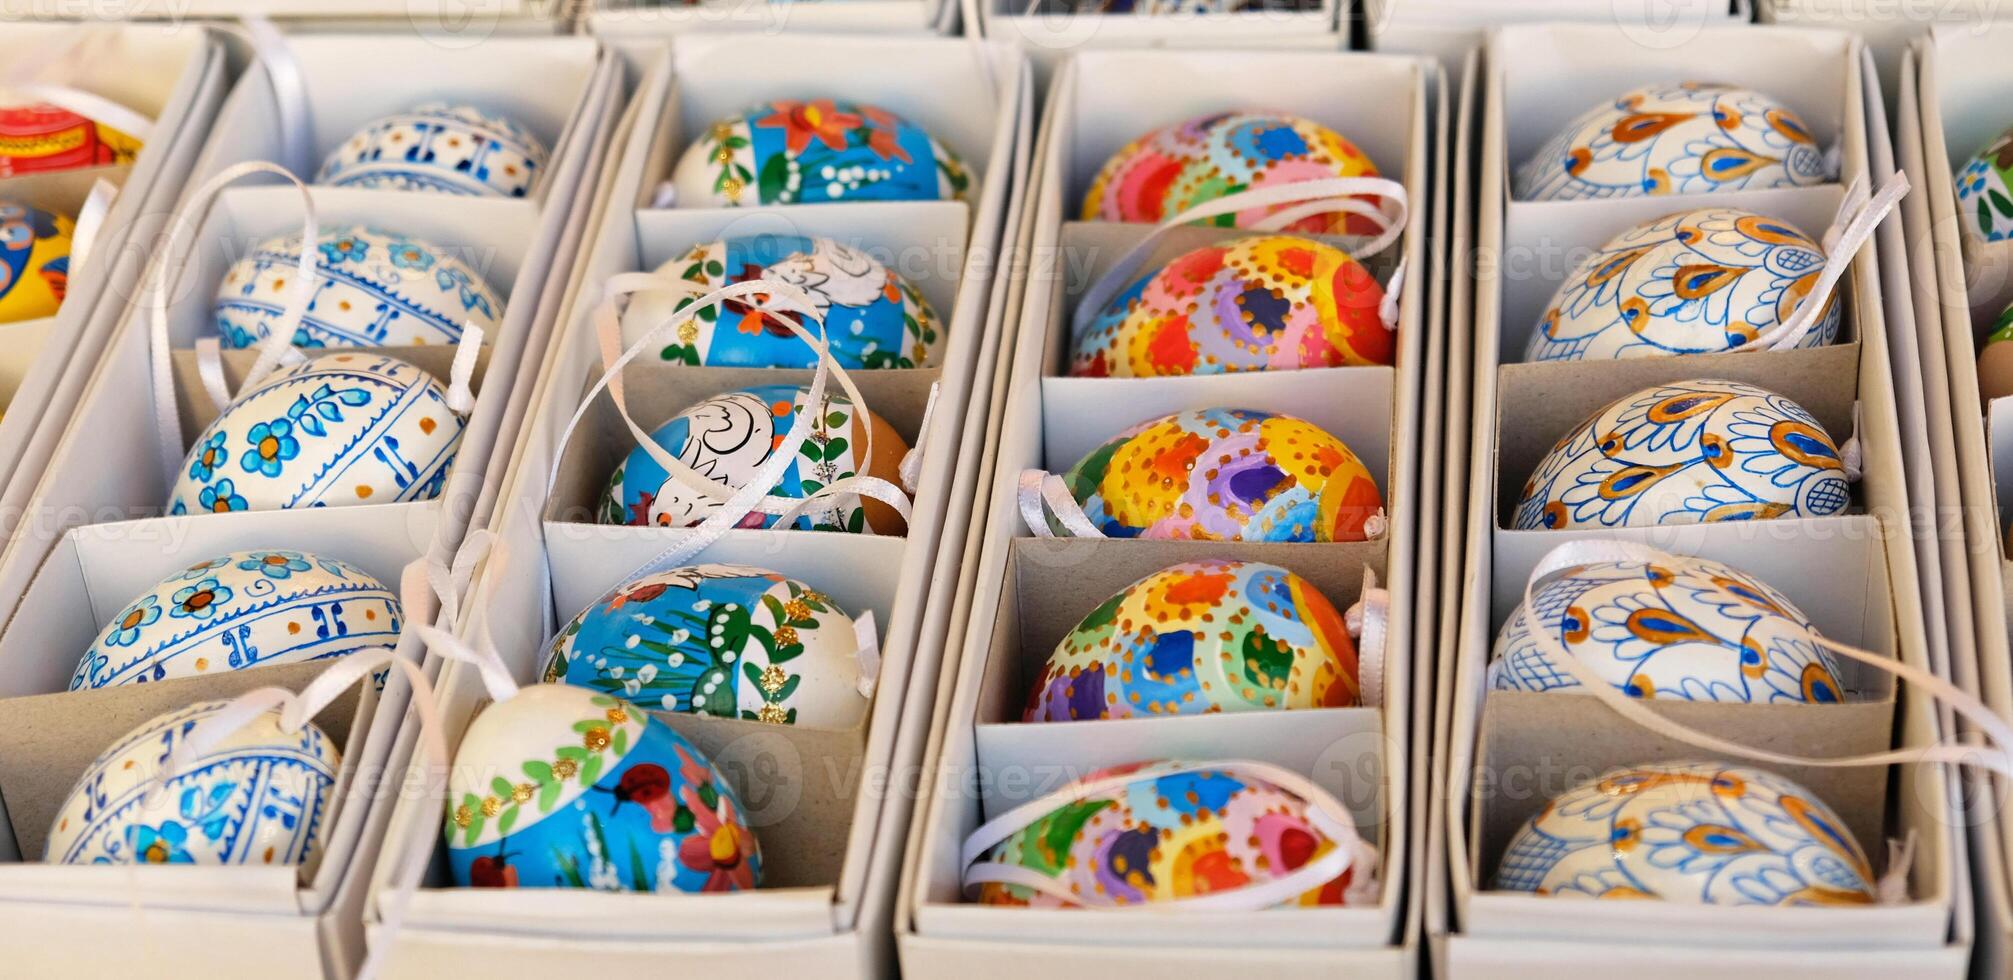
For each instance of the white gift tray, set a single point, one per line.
(882, 18)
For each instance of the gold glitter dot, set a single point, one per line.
(774, 715)
(490, 806)
(688, 332)
(596, 739)
(731, 188)
(795, 609)
(786, 636)
(617, 716)
(463, 816)
(522, 792)
(564, 769)
(773, 678)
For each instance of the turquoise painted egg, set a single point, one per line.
(440, 147)
(1674, 138)
(372, 288)
(817, 151)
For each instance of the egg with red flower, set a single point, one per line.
(817, 151)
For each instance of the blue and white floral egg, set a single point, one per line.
(442, 147)
(337, 430)
(1674, 138)
(872, 317)
(372, 288)
(1696, 282)
(1700, 833)
(723, 640)
(561, 787)
(260, 796)
(1681, 629)
(243, 609)
(817, 151)
(1689, 452)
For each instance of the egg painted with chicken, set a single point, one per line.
(1674, 138)
(1169, 170)
(371, 288)
(817, 151)
(441, 147)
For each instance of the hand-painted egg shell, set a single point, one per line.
(1269, 303)
(561, 787)
(1674, 138)
(372, 289)
(41, 138)
(1169, 833)
(724, 640)
(1700, 833)
(1697, 282)
(1687, 629)
(873, 318)
(731, 434)
(34, 262)
(1201, 637)
(243, 609)
(1174, 168)
(440, 147)
(1692, 452)
(817, 152)
(338, 430)
(1984, 200)
(261, 796)
(1995, 368)
(1226, 474)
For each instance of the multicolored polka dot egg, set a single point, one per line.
(1675, 138)
(817, 151)
(1172, 169)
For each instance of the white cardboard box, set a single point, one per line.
(1052, 30)
(882, 18)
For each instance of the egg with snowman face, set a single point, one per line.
(730, 641)
(730, 435)
(262, 795)
(34, 261)
(1697, 833)
(38, 137)
(440, 147)
(371, 288)
(243, 609)
(1172, 169)
(1674, 138)
(562, 787)
(1686, 629)
(1690, 452)
(817, 151)
(1696, 282)
(335, 431)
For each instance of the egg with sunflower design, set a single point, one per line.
(1690, 452)
(441, 147)
(262, 795)
(1174, 168)
(1227, 474)
(873, 318)
(335, 431)
(42, 138)
(1265, 303)
(371, 288)
(34, 261)
(562, 787)
(1201, 637)
(1984, 195)
(1698, 833)
(1675, 138)
(1679, 628)
(729, 641)
(1696, 282)
(817, 151)
(730, 435)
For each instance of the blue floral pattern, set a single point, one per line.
(209, 455)
(200, 601)
(276, 564)
(221, 498)
(137, 617)
(373, 288)
(273, 443)
(1674, 138)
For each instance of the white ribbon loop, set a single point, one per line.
(1858, 217)
(1040, 494)
(43, 73)
(90, 221)
(867, 653)
(1369, 621)
(911, 468)
(1851, 455)
(461, 374)
(290, 92)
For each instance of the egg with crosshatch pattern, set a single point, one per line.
(1674, 138)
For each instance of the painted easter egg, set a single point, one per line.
(730, 435)
(1685, 629)
(260, 796)
(1691, 452)
(1984, 200)
(1227, 474)
(817, 151)
(441, 147)
(1201, 637)
(1167, 831)
(872, 317)
(1696, 282)
(243, 609)
(337, 430)
(724, 640)
(1701, 833)
(34, 261)
(41, 138)
(372, 288)
(1266, 303)
(1174, 168)
(562, 787)
(1995, 359)
(1674, 138)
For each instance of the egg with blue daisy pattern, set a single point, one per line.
(371, 288)
(440, 147)
(1675, 138)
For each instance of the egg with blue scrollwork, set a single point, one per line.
(1698, 833)
(1690, 452)
(562, 787)
(817, 151)
(1695, 282)
(872, 318)
(1679, 628)
(1674, 138)
(338, 430)
(730, 641)
(260, 796)
(439, 147)
(371, 288)
(243, 609)
(34, 261)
